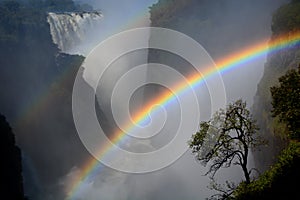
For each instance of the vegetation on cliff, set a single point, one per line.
(287, 18)
(279, 102)
(279, 182)
(286, 102)
(285, 21)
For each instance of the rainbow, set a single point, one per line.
(226, 64)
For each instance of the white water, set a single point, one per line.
(69, 30)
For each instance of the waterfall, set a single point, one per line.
(70, 29)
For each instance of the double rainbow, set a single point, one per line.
(228, 63)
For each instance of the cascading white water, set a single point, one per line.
(70, 29)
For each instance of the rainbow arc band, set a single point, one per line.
(224, 65)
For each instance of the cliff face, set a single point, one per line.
(285, 20)
(11, 165)
(28, 57)
(223, 27)
(36, 82)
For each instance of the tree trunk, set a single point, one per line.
(246, 173)
(244, 165)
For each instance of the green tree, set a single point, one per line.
(286, 101)
(226, 140)
(287, 18)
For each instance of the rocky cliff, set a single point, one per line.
(286, 20)
(11, 164)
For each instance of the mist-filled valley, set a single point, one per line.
(164, 84)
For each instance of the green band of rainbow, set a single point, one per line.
(230, 62)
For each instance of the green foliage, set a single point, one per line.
(61, 5)
(276, 182)
(22, 21)
(287, 18)
(16, 12)
(9, 21)
(198, 139)
(286, 101)
(163, 11)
